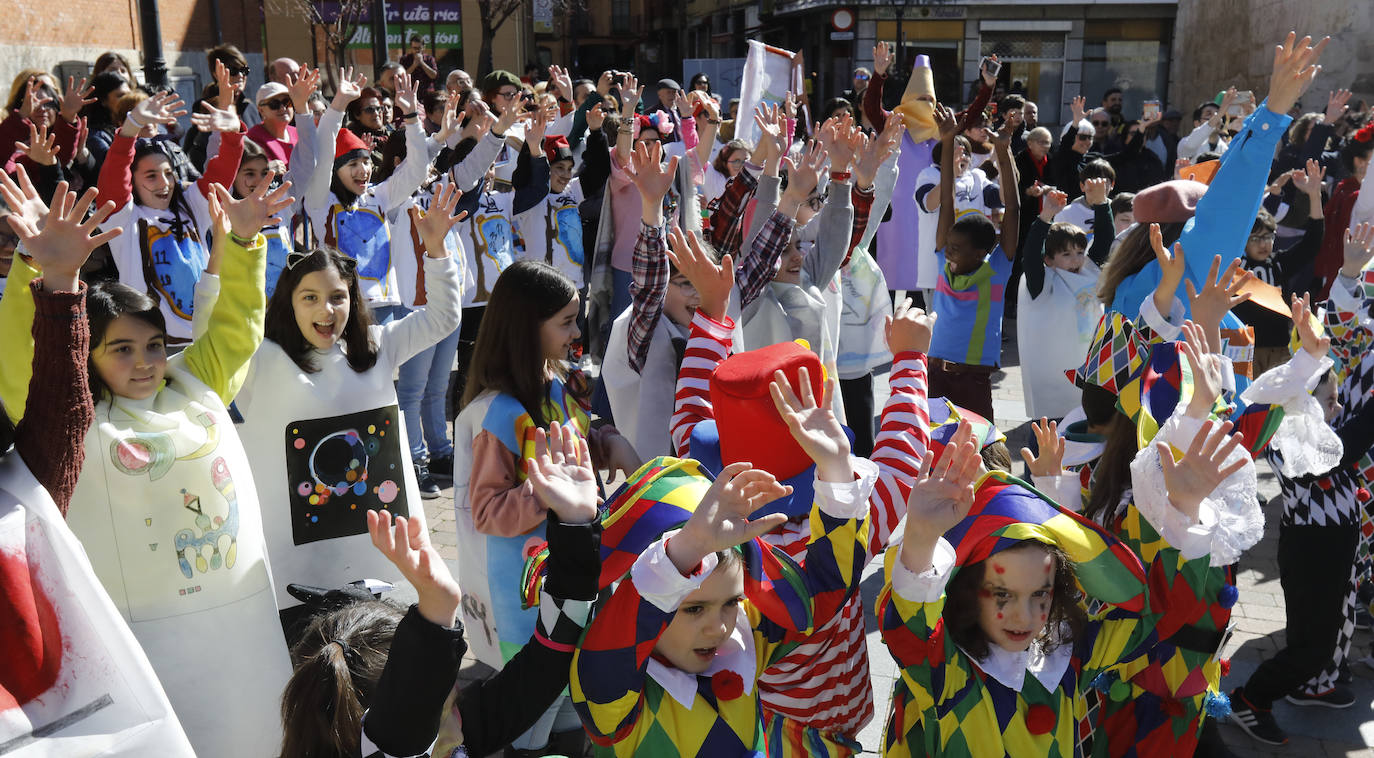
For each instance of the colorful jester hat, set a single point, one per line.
(1007, 511)
(661, 496)
(1166, 380)
(918, 102)
(944, 422)
(747, 426)
(1115, 357)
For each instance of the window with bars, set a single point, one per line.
(620, 16)
(1023, 45)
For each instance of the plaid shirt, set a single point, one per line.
(647, 291)
(727, 212)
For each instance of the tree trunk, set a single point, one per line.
(484, 64)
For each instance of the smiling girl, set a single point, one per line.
(165, 246)
(166, 507)
(321, 416)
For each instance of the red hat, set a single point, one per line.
(750, 427)
(557, 148)
(346, 143)
(1169, 202)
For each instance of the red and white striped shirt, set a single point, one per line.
(824, 682)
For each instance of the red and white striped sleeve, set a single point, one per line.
(707, 346)
(903, 438)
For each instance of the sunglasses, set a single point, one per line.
(279, 104)
(239, 71)
(1084, 137)
(346, 264)
(861, 78)
(1102, 123)
(508, 95)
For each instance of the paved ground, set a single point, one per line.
(1313, 732)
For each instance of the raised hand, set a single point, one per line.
(604, 83)
(882, 59)
(813, 424)
(940, 498)
(712, 281)
(67, 237)
(1171, 267)
(251, 214)
(1206, 364)
(407, 545)
(772, 128)
(534, 134)
(33, 98)
(988, 78)
(215, 119)
(721, 520)
(561, 474)
(1050, 461)
(407, 93)
(630, 92)
(1295, 66)
(42, 146)
(1309, 180)
(1079, 107)
(1359, 249)
(162, 108)
(1336, 105)
(596, 117)
(947, 123)
(651, 176)
(561, 81)
(877, 150)
(450, 122)
(23, 200)
(789, 105)
(435, 223)
(1052, 201)
(1218, 296)
(909, 329)
(79, 95)
(805, 174)
(224, 87)
(1202, 468)
(1095, 191)
(841, 140)
(350, 88)
(301, 85)
(1314, 338)
(682, 104)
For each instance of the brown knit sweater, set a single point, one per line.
(51, 437)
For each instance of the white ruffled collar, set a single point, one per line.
(1011, 668)
(736, 654)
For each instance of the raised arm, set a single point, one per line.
(944, 118)
(1011, 197)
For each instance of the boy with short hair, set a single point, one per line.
(975, 264)
(1080, 213)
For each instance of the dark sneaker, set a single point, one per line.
(441, 468)
(1339, 696)
(1362, 619)
(428, 488)
(1256, 722)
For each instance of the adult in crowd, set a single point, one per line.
(421, 66)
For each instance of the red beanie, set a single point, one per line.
(750, 427)
(557, 148)
(1170, 202)
(346, 143)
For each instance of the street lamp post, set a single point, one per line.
(154, 65)
(380, 54)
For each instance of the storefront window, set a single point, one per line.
(1032, 66)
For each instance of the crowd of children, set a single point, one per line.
(224, 378)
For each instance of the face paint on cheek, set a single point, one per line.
(999, 569)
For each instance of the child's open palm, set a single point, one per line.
(943, 491)
(215, 119)
(561, 474)
(407, 545)
(1314, 338)
(23, 200)
(1202, 467)
(162, 108)
(1359, 249)
(721, 519)
(1050, 460)
(813, 424)
(350, 88)
(435, 223)
(713, 282)
(67, 236)
(250, 215)
(651, 175)
(1218, 294)
(1095, 191)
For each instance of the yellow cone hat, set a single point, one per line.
(918, 102)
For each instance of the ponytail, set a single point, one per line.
(338, 662)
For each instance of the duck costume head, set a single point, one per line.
(747, 426)
(918, 102)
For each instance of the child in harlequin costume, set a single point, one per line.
(346, 210)
(982, 609)
(817, 697)
(166, 506)
(325, 436)
(672, 664)
(166, 245)
(519, 381)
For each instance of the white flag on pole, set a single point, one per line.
(769, 74)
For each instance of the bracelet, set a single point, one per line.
(412, 114)
(839, 176)
(130, 117)
(241, 242)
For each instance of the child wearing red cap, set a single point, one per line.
(819, 693)
(552, 229)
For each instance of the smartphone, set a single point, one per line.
(993, 67)
(1242, 99)
(1151, 110)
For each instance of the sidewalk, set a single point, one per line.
(1313, 732)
